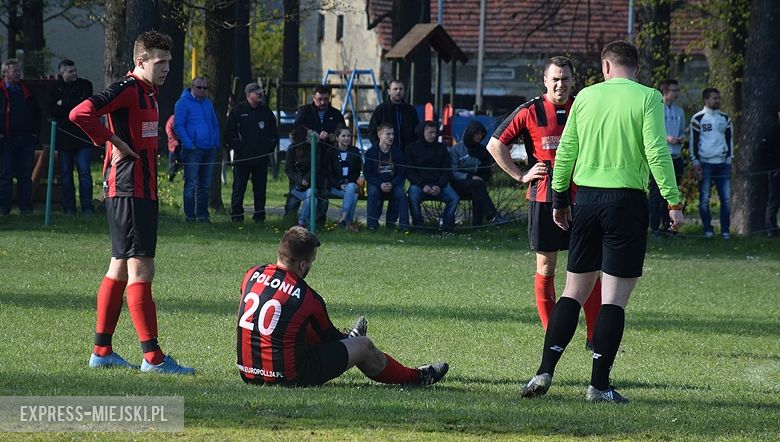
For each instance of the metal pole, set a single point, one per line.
(439, 102)
(49, 184)
(480, 53)
(630, 19)
(313, 185)
(453, 77)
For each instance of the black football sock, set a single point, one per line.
(560, 330)
(606, 341)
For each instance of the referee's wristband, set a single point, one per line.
(561, 200)
(677, 206)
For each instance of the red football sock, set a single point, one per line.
(109, 305)
(544, 290)
(144, 314)
(591, 308)
(395, 373)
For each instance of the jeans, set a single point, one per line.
(82, 159)
(198, 167)
(659, 212)
(17, 153)
(304, 197)
(397, 208)
(350, 199)
(447, 195)
(259, 181)
(721, 174)
(482, 206)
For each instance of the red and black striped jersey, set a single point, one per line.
(540, 124)
(279, 318)
(131, 106)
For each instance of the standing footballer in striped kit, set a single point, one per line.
(130, 184)
(539, 123)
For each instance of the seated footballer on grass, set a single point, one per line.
(285, 337)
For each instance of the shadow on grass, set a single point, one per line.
(646, 320)
(518, 381)
(213, 402)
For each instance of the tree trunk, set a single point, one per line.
(761, 95)
(115, 32)
(172, 22)
(32, 33)
(140, 16)
(290, 53)
(242, 63)
(217, 63)
(724, 48)
(653, 41)
(13, 28)
(406, 14)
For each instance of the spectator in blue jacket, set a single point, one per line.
(385, 176)
(195, 123)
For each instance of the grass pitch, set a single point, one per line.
(700, 359)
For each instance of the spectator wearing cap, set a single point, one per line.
(252, 134)
(197, 129)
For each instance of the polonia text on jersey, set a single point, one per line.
(276, 283)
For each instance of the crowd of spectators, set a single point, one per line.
(406, 164)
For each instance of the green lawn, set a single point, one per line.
(700, 360)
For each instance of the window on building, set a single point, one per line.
(499, 74)
(339, 27)
(321, 27)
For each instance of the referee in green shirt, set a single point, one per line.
(615, 136)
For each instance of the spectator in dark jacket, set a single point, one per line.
(297, 166)
(251, 132)
(465, 174)
(20, 123)
(73, 145)
(320, 117)
(400, 115)
(342, 170)
(770, 145)
(428, 169)
(385, 175)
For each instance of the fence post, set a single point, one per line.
(313, 185)
(52, 139)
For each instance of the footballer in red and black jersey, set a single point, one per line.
(279, 320)
(131, 106)
(539, 123)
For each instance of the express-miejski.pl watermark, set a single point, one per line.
(91, 413)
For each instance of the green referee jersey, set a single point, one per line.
(614, 137)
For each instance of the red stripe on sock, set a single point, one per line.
(102, 350)
(395, 373)
(544, 292)
(591, 308)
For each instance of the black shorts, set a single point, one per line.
(323, 362)
(132, 225)
(543, 234)
(609, 232)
